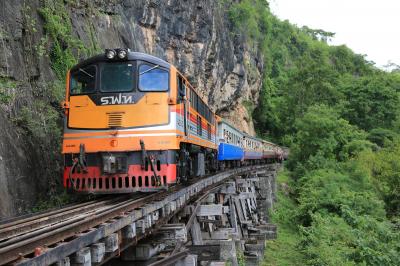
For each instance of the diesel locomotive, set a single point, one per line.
(133, 122)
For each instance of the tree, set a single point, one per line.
(372, 101)
(384, 170)
(323, 137)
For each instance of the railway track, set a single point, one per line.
(21, 228)
(36, 239)
(56, 229)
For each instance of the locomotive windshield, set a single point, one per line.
(119, 77)
(116, 77)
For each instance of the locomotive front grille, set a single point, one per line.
(115, 119)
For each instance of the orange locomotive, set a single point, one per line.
(133, 123)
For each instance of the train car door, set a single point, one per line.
(182, 92)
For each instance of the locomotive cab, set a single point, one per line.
(99, 86)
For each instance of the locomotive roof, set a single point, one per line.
(131, 56)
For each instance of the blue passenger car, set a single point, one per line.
(230, 145)
(229, 152)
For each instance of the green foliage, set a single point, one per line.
(328, 241)
(332, 240)
(371, 101)
(41, 124)
(242, 16)
(40, 121)
(318, 34)
(56, 201)
(58, 27)
(322, 138)
(249, 106)
(41, 47)
(240, 258)
(381, 136)
(343, 221)
(7, 88)
(327, 191)
(285, 249)
(344, 61)
(383, 169)
(250, 22)
(340, 116)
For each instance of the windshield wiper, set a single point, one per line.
(80, 69)
(150, 69)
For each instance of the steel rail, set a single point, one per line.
(25, 226)
(60, 224)
(29, 217)
(27, 246)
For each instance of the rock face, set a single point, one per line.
(17, 173)
(194, 35)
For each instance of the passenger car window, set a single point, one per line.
(83, 80)
(116, 77)
(153, 78)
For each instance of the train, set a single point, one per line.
(134, 123)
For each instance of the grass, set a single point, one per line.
(284, 250)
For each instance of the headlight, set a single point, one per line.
(110, 54)
(122, 53)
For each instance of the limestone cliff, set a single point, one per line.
(194, 35)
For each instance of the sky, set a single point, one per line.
(366, 26)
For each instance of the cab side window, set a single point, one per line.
(83, 80)
(153, 78)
